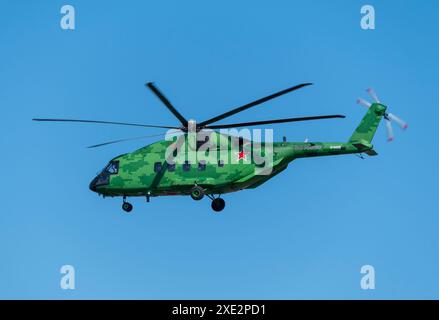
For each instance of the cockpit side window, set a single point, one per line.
(112, 167)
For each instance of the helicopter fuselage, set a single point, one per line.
(145, 172)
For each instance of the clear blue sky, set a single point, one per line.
(304, 234)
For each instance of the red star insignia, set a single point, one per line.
(242, 155)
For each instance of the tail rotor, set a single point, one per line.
(399, 121)
(363, 102)
(374, 96)
(388, 117)
(389, 129)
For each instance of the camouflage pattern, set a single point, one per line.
(369, 124)
(137, 176)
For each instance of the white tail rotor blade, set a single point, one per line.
(364, 102)
(373, 95)
(389, 128)
(399, 121)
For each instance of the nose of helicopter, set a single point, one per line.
(92, 185)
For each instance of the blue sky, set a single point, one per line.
(303, 235)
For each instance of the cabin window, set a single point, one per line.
(112, 167)
(171, 167)
(220, 163)
(157, 167)
(186, 166)
(202, 166)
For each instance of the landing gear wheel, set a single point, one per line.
(127, 207)
(197, 193)
(218, 204)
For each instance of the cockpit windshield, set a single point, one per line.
(112, 167)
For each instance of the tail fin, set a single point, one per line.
(369, 124)
(363, 135)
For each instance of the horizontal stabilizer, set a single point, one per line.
(362, 145)
(371, 152)
(366, 147)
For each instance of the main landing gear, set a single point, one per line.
(218, 203)
(197, 193)
(126, 206)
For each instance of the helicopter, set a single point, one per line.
(197, 160)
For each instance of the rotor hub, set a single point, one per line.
(192, 125)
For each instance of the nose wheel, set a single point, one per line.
(126, 206)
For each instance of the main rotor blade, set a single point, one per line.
(252, 104)
(105, 122)
(166, 102)
(128, 139)
(257, 123)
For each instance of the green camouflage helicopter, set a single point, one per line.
(197, 160)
